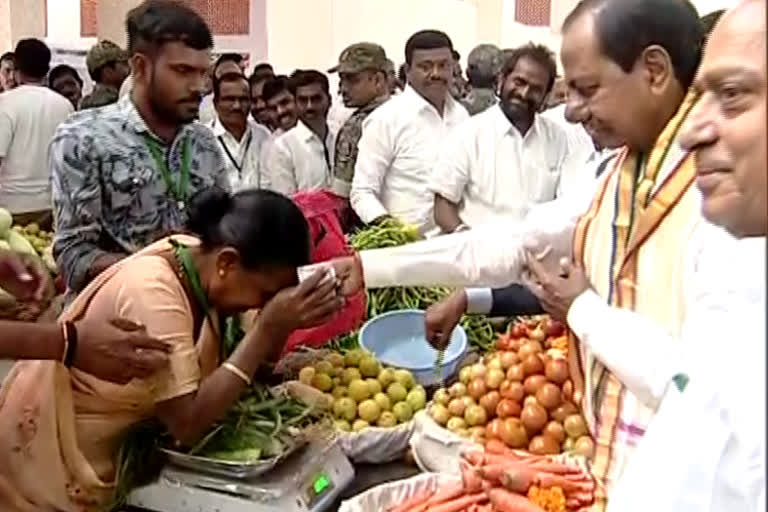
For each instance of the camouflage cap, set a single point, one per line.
(103, 53)
(360, 57)
(485, 60)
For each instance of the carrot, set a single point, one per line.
(474, 457)
(555, 468)
(411, 502)
(469, 477)
(493, 472)
(547, 480)
(450, 492)
(486, 459)
(505, 501)
(487, 507)
(459, 504)
(518, 479)
(421, 507)
(497, 446)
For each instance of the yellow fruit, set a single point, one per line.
(359, 425)
(343, 425)
(405, 378)
(373, 386)
(358, 390)
(387, 420)
(339, 391)
(350, 374)
(396, 392)
(368, 411)
(403, 412)
(385, 404)
(353, 357)
(324, 367)
(369, 366)
(322, 382)
(416, 400)
(335, 359)
(345, 408)
(306, 375)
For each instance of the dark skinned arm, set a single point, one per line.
(446, 214)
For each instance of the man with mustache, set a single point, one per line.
(301, 158)
(636, 242)
(122, 174)
(240, 139)
(402, 139)
(502, 161)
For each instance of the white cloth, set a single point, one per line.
(399, 146)
(705, 449)
(298, 160)
(207, 112)
(29, 115)
(580, 146)
(494, 172)
(242, 157)
(338, 114)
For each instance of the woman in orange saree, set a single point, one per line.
(61, 429)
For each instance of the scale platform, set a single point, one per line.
(310, 480)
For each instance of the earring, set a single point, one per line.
(221, 272)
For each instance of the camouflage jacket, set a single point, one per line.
(345, 155)
(100, 96)
(109, 194)
(479, 100)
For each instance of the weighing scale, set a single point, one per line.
(309, 480)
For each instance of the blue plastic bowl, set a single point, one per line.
(398, 339)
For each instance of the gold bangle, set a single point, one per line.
(237, 371)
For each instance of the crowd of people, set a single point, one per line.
(611, 198)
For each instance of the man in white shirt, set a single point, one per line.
(302, 157)
(226, 63)
(502, 161)
(240, 139)
(29, 115)
(402, 139)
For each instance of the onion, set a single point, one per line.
(476, 388)
(549, 396)
(533, 383)
(575, 426)
(456, 424)
(534, 418)
(468, 401)
(543, 445)
(475, 416)
(513, 390)
(494, 378)
(537, 334)
(556, 431)
(516, 373)
(585, 447)
(494, 362)
(465, 375)
(490, 401)
(456, 407)
(568, 391)
(533, 365)
(555, 328)
(508, 408)
(563, 411)
(458, 390)
(529, 348)
(492, 429)
(477, 433)
(556, 370)
(530, 400)
(442, 396)
(508, 359)
(439, 413)
(512, 432)
(478, 371)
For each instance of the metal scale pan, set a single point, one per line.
(309, 480)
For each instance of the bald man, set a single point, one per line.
(705, 450)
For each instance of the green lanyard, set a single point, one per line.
(177, 190)
(233, 332)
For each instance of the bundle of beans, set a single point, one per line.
(500, 479)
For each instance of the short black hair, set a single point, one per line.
(32, 57)
(228, 77)
(62, 70)
(274, 86)
(709, 21)
(8, 56)
(625, 28)
(227, 57)
(456, 55)
(303, 77)
(538, 53)
(426, 40)
(156, 22)
(266, 228)
(262, 70)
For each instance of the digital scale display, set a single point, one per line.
(320, 485)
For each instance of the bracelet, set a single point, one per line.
(70, 343)
(237, 371)
(461, 227)
(359, 264)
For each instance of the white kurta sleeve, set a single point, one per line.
(281, 172)
(374, 157)
(451, 173)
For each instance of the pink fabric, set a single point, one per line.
(323, 211)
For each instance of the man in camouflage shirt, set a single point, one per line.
(364, 85)
(483, 67)
(108, 67)
(122, 174)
